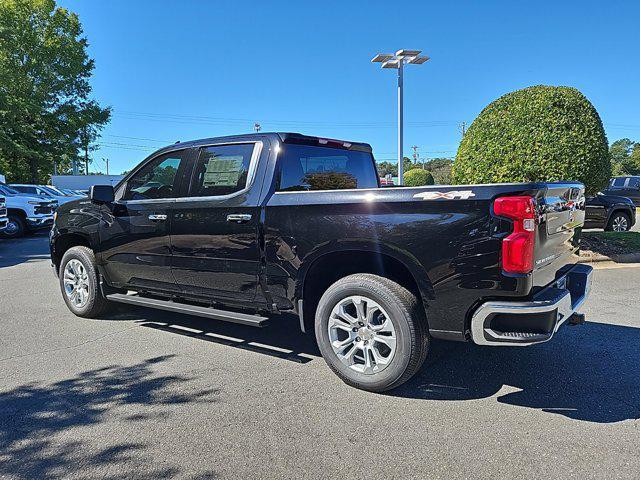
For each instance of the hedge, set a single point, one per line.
(539, 133)
(417, 177)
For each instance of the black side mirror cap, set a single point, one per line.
(102, 194)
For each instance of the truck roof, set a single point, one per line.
(284, 137)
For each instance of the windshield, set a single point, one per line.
(52, 190)
(8, 190)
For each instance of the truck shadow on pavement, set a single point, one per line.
(589, 373)
(34, 416)
(281, 338)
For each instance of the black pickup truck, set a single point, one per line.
(243, 228)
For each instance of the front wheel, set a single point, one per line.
(619, 222)
(79, 282)
(372, 332)
(15, 227)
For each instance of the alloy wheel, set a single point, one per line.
(620, 224)
(362, 334)
(76, 283)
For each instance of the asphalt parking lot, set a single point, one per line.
(148, 394)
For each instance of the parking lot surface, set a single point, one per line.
(149, 394)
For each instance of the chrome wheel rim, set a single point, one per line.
(362, 334)
(76, 283)
(11, 228)
(620, 224)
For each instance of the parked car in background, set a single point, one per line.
(46, 191)
(26, 213)
(3, 213)
(628, 186)
(610, 212)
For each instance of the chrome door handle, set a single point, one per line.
(238, 217)
(157, 217)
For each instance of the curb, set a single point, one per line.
(622, 258)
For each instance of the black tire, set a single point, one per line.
(15, 228)
(617, 220)
(408, 319)
(96, 304)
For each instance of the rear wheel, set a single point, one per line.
(371, 331)
(79, 282)
(15, 227)
(619, 222)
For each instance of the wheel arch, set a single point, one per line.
(618, 209)
(64, 241)
(328, 265)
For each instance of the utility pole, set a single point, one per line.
(106, 160)
(463, 128)
(257, 127)
(398, 61)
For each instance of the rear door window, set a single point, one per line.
(222, 170)
(304, 167)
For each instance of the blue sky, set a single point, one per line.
(192, 69)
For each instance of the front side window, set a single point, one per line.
(26, 189)
(157, 179)
(221, 170)
(304, 167)
(634, 182)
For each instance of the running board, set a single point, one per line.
(207, 312)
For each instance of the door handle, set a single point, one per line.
(238, 217)
(157, 217)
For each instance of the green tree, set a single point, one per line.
(417, 177)
(539, 133)
(632, 164)
(620, 151)
(46, 113)
(440, 168)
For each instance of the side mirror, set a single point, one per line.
(101, 194)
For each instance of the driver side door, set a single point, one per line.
(135, 239)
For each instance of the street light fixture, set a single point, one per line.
(398, 61)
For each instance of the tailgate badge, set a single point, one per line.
(461, 194)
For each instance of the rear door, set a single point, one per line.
(214, 228)
(135, 240)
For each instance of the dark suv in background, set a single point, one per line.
(628, 186)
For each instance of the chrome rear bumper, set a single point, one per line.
(543, 315)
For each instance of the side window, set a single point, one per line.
(26, 189)
(221, 170)
(634, 182)
(305, 167)
(618, 182)
(157, 179)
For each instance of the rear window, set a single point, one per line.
(304, 167)
(618, 182)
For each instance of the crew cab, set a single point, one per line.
(243, 228)
(26, 213)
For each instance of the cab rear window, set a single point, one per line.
(304, 168)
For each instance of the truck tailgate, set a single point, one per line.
(561, 216)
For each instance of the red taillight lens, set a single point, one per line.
(517, 248)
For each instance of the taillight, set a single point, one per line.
(517, 248)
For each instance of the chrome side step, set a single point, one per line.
(207, 312)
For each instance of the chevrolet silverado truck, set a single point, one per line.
(26, 213)
(244, 228)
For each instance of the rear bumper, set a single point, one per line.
(513, 323)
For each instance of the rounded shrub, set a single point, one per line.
(417, 177)
(539, 133)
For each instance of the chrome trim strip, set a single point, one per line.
(253, 165)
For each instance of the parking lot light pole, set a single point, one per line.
(398, 61)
